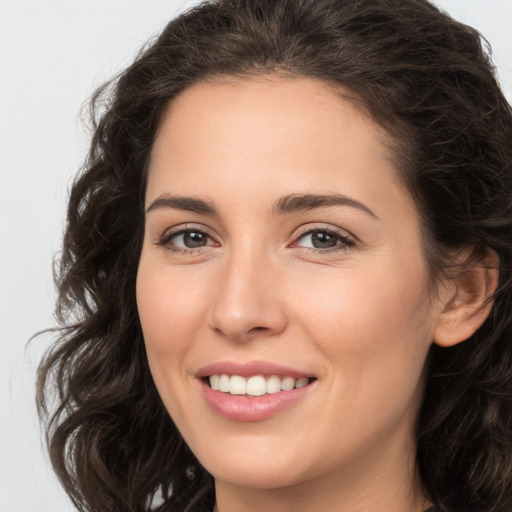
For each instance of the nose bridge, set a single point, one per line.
(247, 301)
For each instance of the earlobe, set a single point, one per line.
(470, 301)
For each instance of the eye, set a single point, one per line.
(186, 240)
(323, 239)
(189, 239)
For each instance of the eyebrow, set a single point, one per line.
(303, 202)
(288, 204)
(188, 204)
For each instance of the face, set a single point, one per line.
(282, 263)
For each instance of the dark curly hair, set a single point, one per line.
(429, 82)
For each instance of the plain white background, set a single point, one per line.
(53, 54)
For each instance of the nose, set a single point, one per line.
(247, 303)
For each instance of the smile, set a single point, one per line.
(253, 390)
(256, 385)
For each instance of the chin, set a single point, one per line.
(250, 477)
(253, 465)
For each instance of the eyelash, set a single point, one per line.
(168, 236)
(343, 242)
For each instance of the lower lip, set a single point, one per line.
(257, 408)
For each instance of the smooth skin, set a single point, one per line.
(338, 291)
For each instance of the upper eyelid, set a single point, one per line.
(342, 240)
(308, 228)
(180, 228)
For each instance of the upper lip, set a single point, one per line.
(250, 368)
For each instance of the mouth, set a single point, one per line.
(255, 385)
(253, 390)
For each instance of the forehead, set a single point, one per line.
(267, 109)
(273, 136)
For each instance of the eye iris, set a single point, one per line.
(194, 239)
(323, 240)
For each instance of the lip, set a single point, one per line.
(258, 408)
(250, 368)
(250, 409)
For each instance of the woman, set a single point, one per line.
(285, 282)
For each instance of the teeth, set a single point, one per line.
(302, 382)
(288, 383)
(273, 384)
(224, 383)
(214, 382)
(237, 385)
(257, 385)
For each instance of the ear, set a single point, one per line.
(468, 298)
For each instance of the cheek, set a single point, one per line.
(375, 317)
(171, 311)
(376, 339)
(171, 308)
